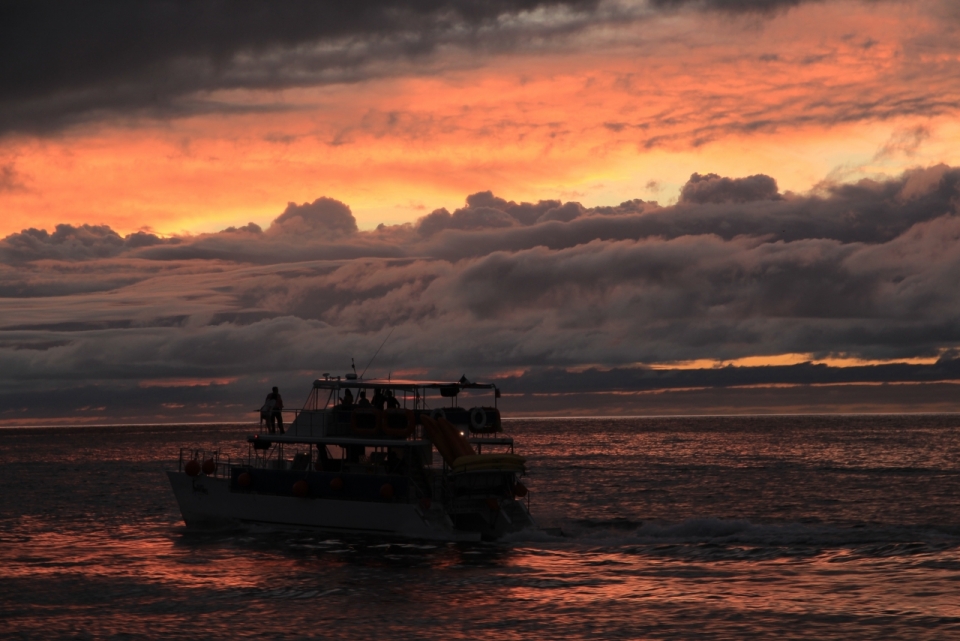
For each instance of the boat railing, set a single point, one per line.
(212, 462)
(491, 441)
(272, 457)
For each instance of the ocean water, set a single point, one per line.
(841, 527)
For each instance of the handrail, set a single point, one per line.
(221, 463)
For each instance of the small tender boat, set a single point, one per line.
(394, 467)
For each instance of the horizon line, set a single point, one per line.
(514, 418)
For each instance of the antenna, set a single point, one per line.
(376, 352)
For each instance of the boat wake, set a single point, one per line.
(713, 536)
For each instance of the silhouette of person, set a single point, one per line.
(392, 402)
(362, 401)
(276, 403)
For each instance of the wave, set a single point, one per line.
(777, 538)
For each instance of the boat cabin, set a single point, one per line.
(391, 407)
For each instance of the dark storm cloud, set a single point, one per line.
(733, 270)
(70, 62)
(659, 300)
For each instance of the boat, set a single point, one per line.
(412, 464)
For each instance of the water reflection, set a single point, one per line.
(709, 529)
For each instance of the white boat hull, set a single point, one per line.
(208, 501)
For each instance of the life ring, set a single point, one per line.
(485, 420)
(365, 421)
(397, 423)
(437, 414)
(478, 418)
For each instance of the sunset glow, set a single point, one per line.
(824, 92)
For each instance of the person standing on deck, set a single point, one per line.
(275, 415)
(266, 414)
(392, 402)
(362, 399)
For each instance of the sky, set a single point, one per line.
(648, 207)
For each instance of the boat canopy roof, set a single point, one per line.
(373, 383)
(270, 439)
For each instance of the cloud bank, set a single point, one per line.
(67, 63)
(538, 294)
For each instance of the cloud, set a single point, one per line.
(712, 188)
(864, 270)
(469, 218)
(638, 379)
(324, 216)
(69, 242)
(65, 64)
(486, 211)
(867, 211)
(10, 178)
(564, 213)
(904, 141)
(249, 228)
(732, 6)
